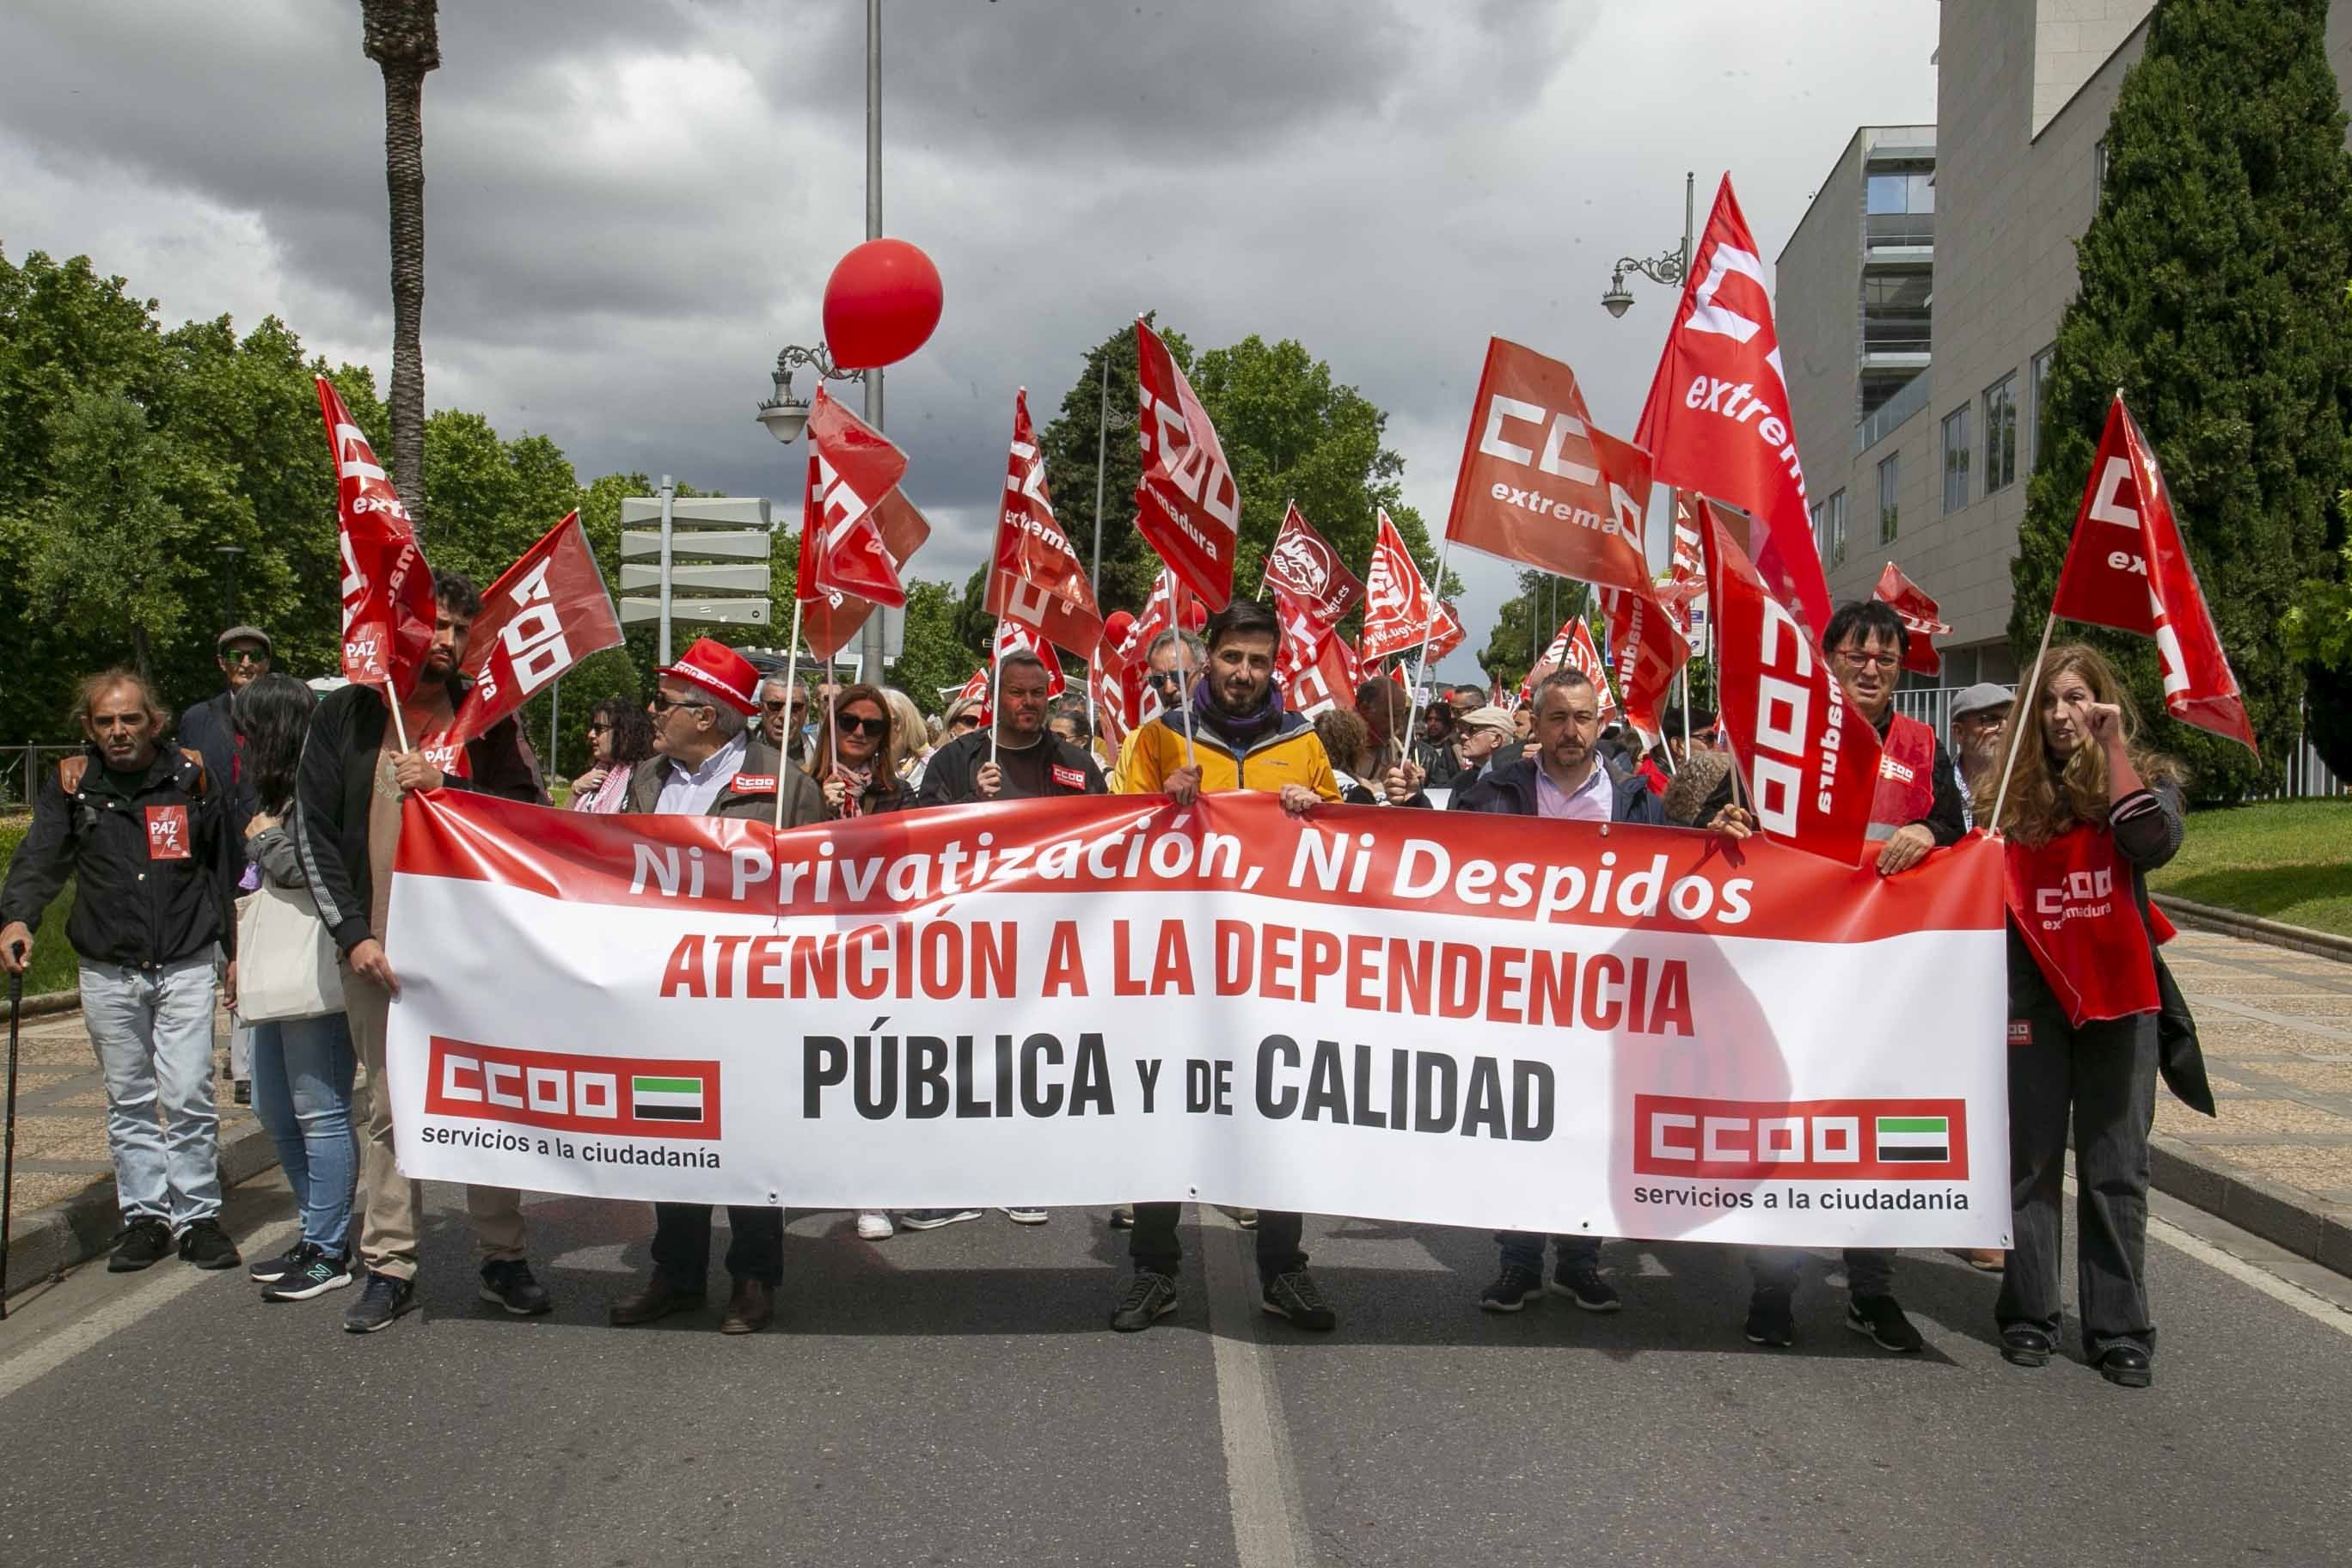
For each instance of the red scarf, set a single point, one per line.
(2071, 901)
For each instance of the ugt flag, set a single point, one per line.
(2127, 568)
(545, 614)
(851, 468)
(1303, 565)
(387, 588)
(1717, 417)
(1539, 484)
(1187, 507)
(1399, 608)
(1811, 759)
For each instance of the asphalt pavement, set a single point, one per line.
(954, 1397)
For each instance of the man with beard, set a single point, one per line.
(1021, 760)
(1980, 718)
(1914, 809)
(347, 828)
(1242, 738)
(243, 654)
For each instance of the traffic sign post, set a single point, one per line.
(708, 546)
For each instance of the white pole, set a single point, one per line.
(792, 673)
(875, 636)
(2029, 692)
(669, 493)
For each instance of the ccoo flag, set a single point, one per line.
(1187, 507)
(1037, 578)
(387, 589)
(852, 467)
(2129, 568)
(1910, 600)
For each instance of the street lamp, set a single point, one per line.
(229, 555)
(1669, 268)
(784, 415)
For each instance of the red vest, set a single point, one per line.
(2071, 901)
(1906, 777)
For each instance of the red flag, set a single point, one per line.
(2129, 569)
(851, 468)
(1810, 757)
(1537, 485)
(830, 618)
(1329, 681)
(1013, 636)
(1037, 577)
(975, 690)
(388, 609)
(1910, 600)
(1105, 686)
(1188, 508)
(1583, 657)
(1398, 606)
(1445, 632)
(1648, 648)
(545, 614)
(1303, 564)
(1717, 417)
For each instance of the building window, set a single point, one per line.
(1899, 208)
(1895, 313)
(1820, 530)
(1890, 481)
(1956, 460)
(2000, 432)
(2098, 172)
(2037, 388)
(1834, 553)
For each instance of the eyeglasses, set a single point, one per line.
(771, 706)
(1860, 660)
(661, 704)
(600, 728)
(244, 655)
(858, 724)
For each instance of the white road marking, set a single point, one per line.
(166, 1283)
(1261, 1484)
(2318, 1309)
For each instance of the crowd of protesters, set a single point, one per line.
(265, 791)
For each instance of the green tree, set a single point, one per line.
(2208, 277)
(932, 650)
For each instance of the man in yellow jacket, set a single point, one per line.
(1242, 738)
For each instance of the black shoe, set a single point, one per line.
(1580, 1281)
(1512, 1289)
(2126, 1366)
(2022, 1344)
(1149, 1297)
(1771, 1318)
(142, 1244)
(269, 1271)
(1294, 1296)
(507, 1283)
(314, 1274)
(383, 1300)
(931, 1219)
(1881, 1319)
(208, 1246)
(244, 1091)
(1122, 1216)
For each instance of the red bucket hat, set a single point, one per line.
(719, 670)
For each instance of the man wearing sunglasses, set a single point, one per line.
(783, 717)
(1171, 658)
(243, 654)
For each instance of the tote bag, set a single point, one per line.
(286, 962)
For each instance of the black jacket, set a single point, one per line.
(209, 730)
(331, 793)
(156, 870)
(1509, 790)
(947, 776)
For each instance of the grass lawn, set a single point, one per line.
(54, 966)
(2285, 859)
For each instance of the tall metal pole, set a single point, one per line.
(873, 639)
(669, 494)
(1102, 451)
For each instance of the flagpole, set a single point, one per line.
(791, 675)
(2025, 694)
(399, 726)
(1421, 660)
(995, 681)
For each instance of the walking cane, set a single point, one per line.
(8, 1139)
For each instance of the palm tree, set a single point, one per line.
(402, 36)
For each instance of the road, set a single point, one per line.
(953, 1398)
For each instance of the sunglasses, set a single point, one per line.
(796, 706)
(856, 725)
(661, 704)
(244, 655)
(966, 722)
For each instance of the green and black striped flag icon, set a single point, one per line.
(666, 1099)
(1923, 1139)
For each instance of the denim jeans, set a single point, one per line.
(302, 1070)
(153, 1031)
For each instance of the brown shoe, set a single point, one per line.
(1988, 1260)
(659, 1299)
(751, 1308)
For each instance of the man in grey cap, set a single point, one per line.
(1979, 715)
(243, 654)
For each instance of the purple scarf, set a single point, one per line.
(1245, 730)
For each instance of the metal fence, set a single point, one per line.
(2307, 778)
(20, 773)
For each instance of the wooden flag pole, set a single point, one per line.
(1421, 660)
(995, 680)
(792, 676)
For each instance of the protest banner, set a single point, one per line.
(1479, 1021)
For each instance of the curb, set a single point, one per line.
(2279, 1214)
(49, 1240)
(2254, 928)
(50, 1002)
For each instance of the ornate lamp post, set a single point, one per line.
(1669, 268)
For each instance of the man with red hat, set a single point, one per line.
(715, 762)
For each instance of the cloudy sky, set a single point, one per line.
(632, 203)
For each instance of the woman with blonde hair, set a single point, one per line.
(910, 740)
(2087, 814)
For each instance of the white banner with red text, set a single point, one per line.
(1413, 1015)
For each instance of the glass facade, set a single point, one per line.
(1895, 307)
(2000, 432)
(1956, 460)
(1833, 521)
(2037, 386)
(1890, 484)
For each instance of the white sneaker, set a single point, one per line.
(1024, 1214)
(873, 1224)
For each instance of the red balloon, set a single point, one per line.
(1118, 627)
(1196, 615)
(881, 304)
